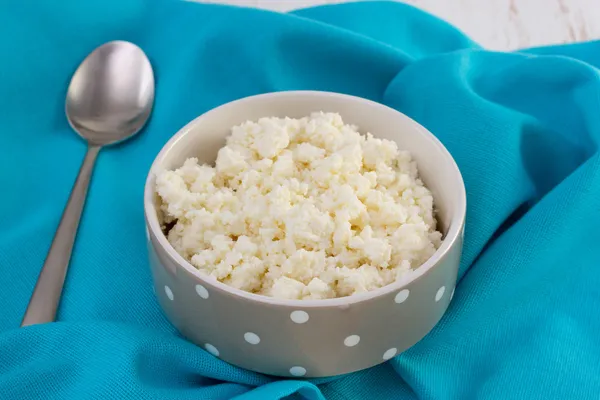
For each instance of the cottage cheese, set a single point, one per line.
(301, 209)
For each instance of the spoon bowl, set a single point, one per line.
(111, 93)
(109, 100)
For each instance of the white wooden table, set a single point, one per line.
(495, 24)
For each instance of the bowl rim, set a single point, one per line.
(454, 231)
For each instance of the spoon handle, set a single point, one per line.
(46, 295)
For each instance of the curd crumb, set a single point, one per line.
(303, 208)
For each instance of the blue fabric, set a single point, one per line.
(524, 128)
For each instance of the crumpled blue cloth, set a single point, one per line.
(524, 128)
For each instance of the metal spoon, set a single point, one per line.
(109, 100)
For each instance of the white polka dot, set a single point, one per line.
(452, 294)
(390, 353)
(402, 296)
(202, 292)
(352, 340)
(169, 292)
(211, 349)
(299, 317)
(297, 371)
(251, 338)
(440, 293)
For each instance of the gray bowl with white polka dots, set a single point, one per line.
(308, 338)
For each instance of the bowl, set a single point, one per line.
(308, 338)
